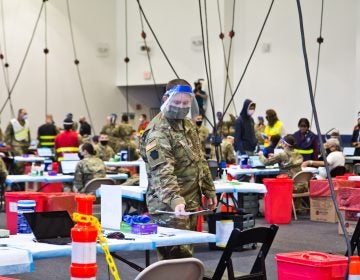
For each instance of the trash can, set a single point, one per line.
(278, 200)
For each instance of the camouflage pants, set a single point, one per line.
(179, 251)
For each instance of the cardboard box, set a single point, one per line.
(350, 219)
(322, 209)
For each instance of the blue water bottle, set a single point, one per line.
(24, 206)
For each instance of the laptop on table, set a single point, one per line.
(68, 167)
(45, 152)
(50, 227)
(349, 151)
(254, 162)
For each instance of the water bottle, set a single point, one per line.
(24, 206)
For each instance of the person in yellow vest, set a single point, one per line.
(17, 136)
(274, 126)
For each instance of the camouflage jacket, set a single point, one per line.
(176, 167)
(88, 168)
(227, 152)
(289, 161)
(105, 153)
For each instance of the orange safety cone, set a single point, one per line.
(228, 205)
(354, 268)
(84, 235)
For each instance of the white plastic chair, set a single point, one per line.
(175, 269)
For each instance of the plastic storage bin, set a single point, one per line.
(310, 265)
(278, 200)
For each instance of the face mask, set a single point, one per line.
(81, 156)
(250, 112)
(25, 117)
(198, 123)
(177, 113)
(104, 143)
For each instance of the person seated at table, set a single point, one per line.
(103, 149)
(334, 158)
(289, 160)
(269, 151)
(88, 168)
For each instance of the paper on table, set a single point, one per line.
(111, 202)
(201, 212)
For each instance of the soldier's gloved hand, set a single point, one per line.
(210, 203)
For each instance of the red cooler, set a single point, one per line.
(310, 265)
(278, 200)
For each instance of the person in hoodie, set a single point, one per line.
(245, 141)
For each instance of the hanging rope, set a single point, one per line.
(5, 65)
(320, 40)
(23, 61)
(46, 51)
(227, 60)
(332, 191)
(251, 55)
(213, 125)
(143, 36)
(77, 62)
(156, 39)
(126, 61)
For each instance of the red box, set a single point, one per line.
(349, 198)
(44, 202)
(321, 187)
(310, 265)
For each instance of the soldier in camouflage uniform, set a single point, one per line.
(289, 160)
(17, 135)
(103, 150)
(108, 129)
(123, 132)
(203, 132)
(88, 168)
(177, 171)
(227, 150)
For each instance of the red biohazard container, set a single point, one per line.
(278, 200)
(44, 202)
(310, 265)
(11, 199)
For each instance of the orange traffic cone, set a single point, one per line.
(83, 254)
(228, 204)
(354, 268)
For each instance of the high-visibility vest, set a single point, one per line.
(62, 150)
(21, 133)
(270, 131)
(305, 152)
(47, 140)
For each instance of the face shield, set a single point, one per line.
(180, 103)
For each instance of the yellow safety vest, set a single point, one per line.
(21, 133)
(270, 131)
(47, 140)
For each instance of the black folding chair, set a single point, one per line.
(237, 240)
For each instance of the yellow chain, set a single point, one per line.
(77, 217)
